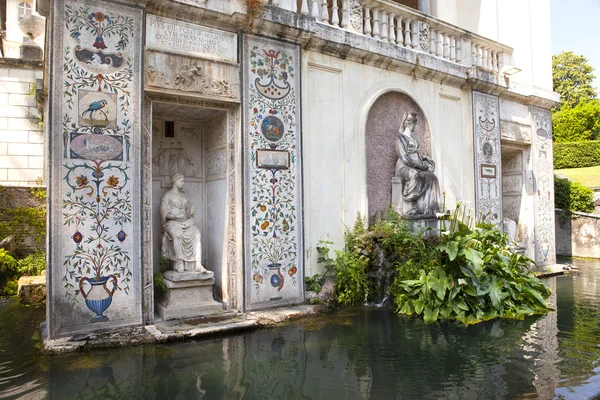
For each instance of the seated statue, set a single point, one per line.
(420, 187)
(181, 238)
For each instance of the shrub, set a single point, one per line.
(33, 264)
(577, 154)
(8, 268)
(581, 122)
(572, 196)
(468, 274)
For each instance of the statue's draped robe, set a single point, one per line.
(175, 205)
(421, 190)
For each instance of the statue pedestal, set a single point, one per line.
(189, 294)
(420, 224)
(397, 196)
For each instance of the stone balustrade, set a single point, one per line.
(405, 27)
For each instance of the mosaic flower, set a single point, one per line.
(82, 180)
(77, 237)
(121, 236)
(98, 16)
(112, 181)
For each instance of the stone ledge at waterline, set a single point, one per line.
(177, 330)
(577, 234)
(32, 290)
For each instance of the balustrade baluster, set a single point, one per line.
(485, 57)
(345, 14)
(324, 11)
(392, 35)
(439, 48)
(459, 49)
(399, 38)
(384, 25)
(446, 51)
(367, 27)
(490, 60)
(479, 55)
(315, 9)
(407, 33)
(376, 23)
(500, 63)
(416, 43)
(452, 48)
(474, 54)
(432, 38)
(335, 18)
(304, 8)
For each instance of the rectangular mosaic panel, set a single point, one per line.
(486, 130)
(273, 231)
(543, 171)
(95, 192)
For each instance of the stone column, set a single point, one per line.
(425, 6)
(96, 168)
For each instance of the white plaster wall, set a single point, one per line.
(21, 135)
(336, 97)
(14, 35)
(523, 25)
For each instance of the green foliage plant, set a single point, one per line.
(578, 123)
(315, 283)
(572, 78)
(469, 273)
(572, 196)
(577, 154)
(33, 264)
(8, 270)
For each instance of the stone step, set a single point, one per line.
(32, 290)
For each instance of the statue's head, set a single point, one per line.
(176, 177)
(410, 121)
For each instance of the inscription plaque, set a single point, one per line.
(179, 37)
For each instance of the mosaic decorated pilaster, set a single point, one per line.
(486, 129)
(96, 167)
(543, 171)
(273, 228)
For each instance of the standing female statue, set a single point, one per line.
(420, 187)
(181, 238)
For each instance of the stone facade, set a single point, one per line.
(282, 142)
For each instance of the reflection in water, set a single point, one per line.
(353, 353)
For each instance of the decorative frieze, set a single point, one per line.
(187, 74)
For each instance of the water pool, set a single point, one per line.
(350, 354)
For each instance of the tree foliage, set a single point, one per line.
(576, 124)
(572, 78)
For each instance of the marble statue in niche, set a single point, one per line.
(181, 237)
(420, 193)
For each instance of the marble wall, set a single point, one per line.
(95, 184)
(486, 128)
(273, 224)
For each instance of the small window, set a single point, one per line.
(23, 9)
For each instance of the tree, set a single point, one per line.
(576, 124)
(572, 78)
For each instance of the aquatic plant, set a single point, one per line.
(468, 273)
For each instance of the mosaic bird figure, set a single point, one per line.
(95, 106)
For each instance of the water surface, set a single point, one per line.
(350, 354)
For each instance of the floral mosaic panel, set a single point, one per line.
(486, 126)
(543, 171)
(273, 210)
(96, 88)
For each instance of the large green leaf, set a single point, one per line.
(451, 248)
(496, 293)
(430, 314)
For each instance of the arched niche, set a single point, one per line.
(383, 123)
